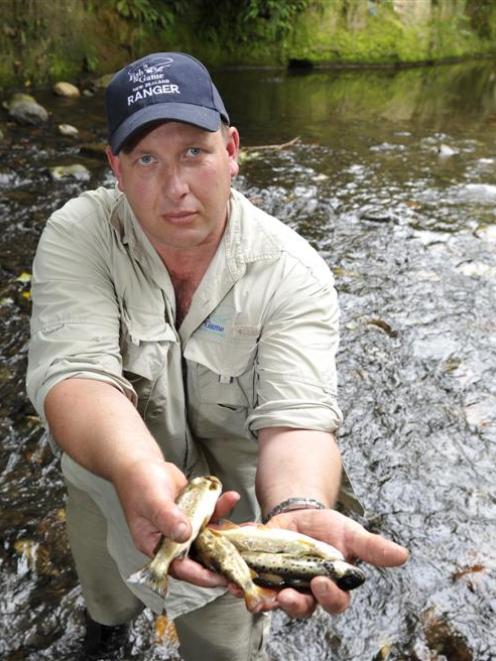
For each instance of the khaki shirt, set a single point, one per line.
(256, 348)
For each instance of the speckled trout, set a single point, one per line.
(286, 570)
(197, 501)
(276, 540)
(220, 555)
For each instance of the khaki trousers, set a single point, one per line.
(223, 630)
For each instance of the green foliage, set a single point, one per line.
(147, 12)
(482, 16)
(246, 20)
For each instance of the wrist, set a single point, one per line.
(293, 504)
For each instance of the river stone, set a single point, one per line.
(66, 89)
(75, 171)
(26, 110)
(68, 129)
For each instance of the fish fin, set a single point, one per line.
(225, 524)
(258, 598)
(148, 578)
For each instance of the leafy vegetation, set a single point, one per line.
(43, 41)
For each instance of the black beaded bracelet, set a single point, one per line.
(292, 504)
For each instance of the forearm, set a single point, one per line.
(98, 426)
(297, 463)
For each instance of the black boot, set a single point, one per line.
(102, 641)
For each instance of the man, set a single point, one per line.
(177, 330)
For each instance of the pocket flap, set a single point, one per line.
(148, 327)
(146, 342)
(229, 358)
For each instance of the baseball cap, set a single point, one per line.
(161, 86)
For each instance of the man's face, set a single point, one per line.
(177, 179)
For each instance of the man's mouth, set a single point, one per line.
(179, 217)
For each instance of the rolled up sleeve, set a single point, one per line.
(75, 317)
(295, 374)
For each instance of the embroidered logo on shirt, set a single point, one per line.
(216, 323)
(212, 325)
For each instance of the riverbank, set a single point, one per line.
(73, 40)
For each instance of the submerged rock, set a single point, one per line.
(445, 151)
(26, 110)
(68, 129)
(75, 171)
(66, 89)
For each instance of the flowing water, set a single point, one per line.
(393, 181)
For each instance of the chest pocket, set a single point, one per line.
(221, 372)
(220, 386)
(145, 341)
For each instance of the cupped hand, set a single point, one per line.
(147, 489)
(351, 539)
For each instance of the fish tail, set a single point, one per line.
(258, 598)
(150, 579)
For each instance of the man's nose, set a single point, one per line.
(175, 185)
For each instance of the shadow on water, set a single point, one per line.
(393, 182)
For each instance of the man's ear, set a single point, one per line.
(115, 164)
(232, 146)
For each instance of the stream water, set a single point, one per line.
(393, 181)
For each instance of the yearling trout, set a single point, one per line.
(276, 540)
(197, 501)
(286, 570)
(220, 555)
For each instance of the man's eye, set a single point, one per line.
(146, 159)
(193, 151)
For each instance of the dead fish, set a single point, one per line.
(276, 540)
(197, 501)
(286, 570)
(219, 554)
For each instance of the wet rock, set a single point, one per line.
(443, 639)
(445, 151)
(165, 630)
(1, 135)
(66, 89)
(68, 130)
(26, 110)
(75, 171)
(384, 326)
(375, 214)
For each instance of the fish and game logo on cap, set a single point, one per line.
(161, 86)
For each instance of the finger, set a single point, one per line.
(147, 544)
(225, 504)
(188, 570)
(374, 549)
(172, 522)
(235, 590)
(296, 604)
(329, 596)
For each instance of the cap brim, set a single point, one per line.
(205, 118)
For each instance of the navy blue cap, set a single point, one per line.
(161, 86)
